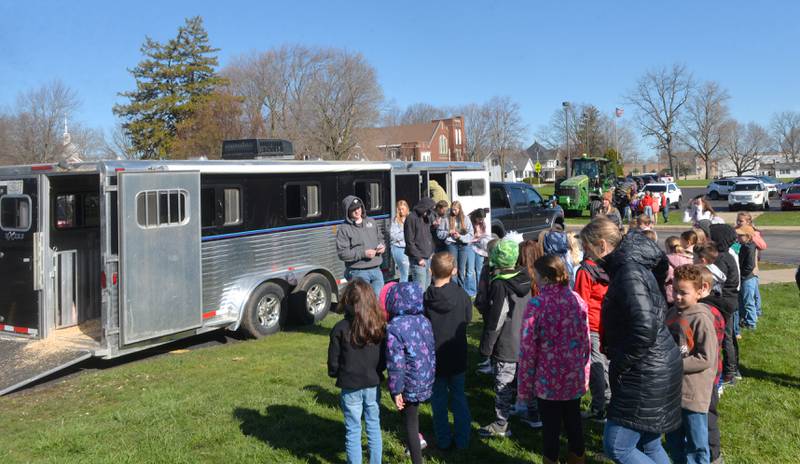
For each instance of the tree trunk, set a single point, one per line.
(708, 167)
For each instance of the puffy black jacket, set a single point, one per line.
(502, 312)
(417, 231)
(646, 368)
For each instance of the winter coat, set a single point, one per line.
(443, 232)
(352, 240)
(450, 311)
(354, 367)
(591, 283)
(728, 302)
(480, 239)
(645, 365)
(693, 330)
(502, 309)
(410, 347)
(417, 231)
(675, 260)
(747, 261)
(555, 347)
(612, 214)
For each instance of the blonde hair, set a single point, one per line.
(701, 235)
(574, 246)
(673, 245)
(600, 228)
(651, 234)
(442, 265)
(397, 210)
(452, 219)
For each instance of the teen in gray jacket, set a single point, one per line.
(359, 245)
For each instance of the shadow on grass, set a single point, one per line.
(308, 437)
(310, 329)
(323, 396)
(782, 380)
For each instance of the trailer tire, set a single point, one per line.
(311, 299)
(265, 312)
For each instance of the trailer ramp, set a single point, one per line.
(25, 361)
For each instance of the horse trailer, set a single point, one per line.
(108, 258)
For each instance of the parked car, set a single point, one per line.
(748, 193)
(785, 186)
(519, 207)
(771, 183)
(720, 188)
(671, 189)
(791, 198)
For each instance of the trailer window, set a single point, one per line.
(15, 213)
(161, 208)
(208, 210)
(471, 187)
(77, 210)
(370, 193)
(232, 209)
(302, 200)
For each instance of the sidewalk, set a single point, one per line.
(776, 276)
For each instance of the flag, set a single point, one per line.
(619, 112)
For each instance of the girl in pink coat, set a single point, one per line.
(554, 357)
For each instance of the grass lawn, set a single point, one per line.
(270, 401)
(767, 266)
(778, 218)
(545, 190)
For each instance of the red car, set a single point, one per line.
(791, 198)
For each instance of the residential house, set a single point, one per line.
(506, 173)
(553, 165)
(438, 140)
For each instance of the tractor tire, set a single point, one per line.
(311, 299)
(265, 312)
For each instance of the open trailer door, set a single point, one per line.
(25, 361)
(160, 278)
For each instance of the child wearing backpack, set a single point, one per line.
(410, 358)
(502, 307)
(691, 324)
(554, 358)
(449, 309)
(714, 436)
(591, 283)
(356, 360)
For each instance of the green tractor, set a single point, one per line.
(591, 177)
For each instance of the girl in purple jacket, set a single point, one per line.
(410, 358)
(554, 357)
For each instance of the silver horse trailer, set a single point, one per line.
(108, 258)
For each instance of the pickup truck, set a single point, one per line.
(519, 207)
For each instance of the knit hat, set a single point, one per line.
(504, 255)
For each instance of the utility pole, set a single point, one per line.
(566, 137)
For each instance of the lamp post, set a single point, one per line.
(566, 106)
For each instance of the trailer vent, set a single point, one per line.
(257, 149)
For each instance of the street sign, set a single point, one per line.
(537, 167)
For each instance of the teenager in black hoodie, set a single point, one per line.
(450, 311)
(418, 232)
(356, 359)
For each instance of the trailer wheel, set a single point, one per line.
(266, 311)
(311, 299)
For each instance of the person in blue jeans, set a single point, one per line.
(357, 359)
(748, 309)
(455, 230)
(418, 230)
(397, 240)
(359, 244)
(449, 309)
(480, 240)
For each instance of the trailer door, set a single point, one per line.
(20, 255)
(160, 275)
(471, 188)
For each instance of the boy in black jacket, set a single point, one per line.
(724, 236)
(508, 292)
(450, 311)
(748, 311)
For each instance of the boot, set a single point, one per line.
(573, 458)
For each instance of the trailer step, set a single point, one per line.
(25, 361)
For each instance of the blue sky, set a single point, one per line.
(539, 53)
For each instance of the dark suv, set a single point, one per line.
(519, 207)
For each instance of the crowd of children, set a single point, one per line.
(651, 335)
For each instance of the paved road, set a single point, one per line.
(721, 204)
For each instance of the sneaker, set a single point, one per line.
(728, 381)
(532, 420)
(738, 336)
(484, 370)
(737, 375)
(495, 430)
(485, 362)
(720, 389)
(422, 445)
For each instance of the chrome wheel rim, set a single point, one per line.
(269, 310)
(316, 299)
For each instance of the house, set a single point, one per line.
(553, 166)
(438, 140)
(781, 170)
(497, 174)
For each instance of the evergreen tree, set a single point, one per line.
(615, 164)
(172, 81)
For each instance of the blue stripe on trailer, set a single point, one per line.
(281, 229)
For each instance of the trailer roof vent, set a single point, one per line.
(257, 149)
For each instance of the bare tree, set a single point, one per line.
(476, 130)
(704, 120)
(744, 145)
(659, 97)
(39, 122)
(785, 127)
(419, 113)
(506, 130)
